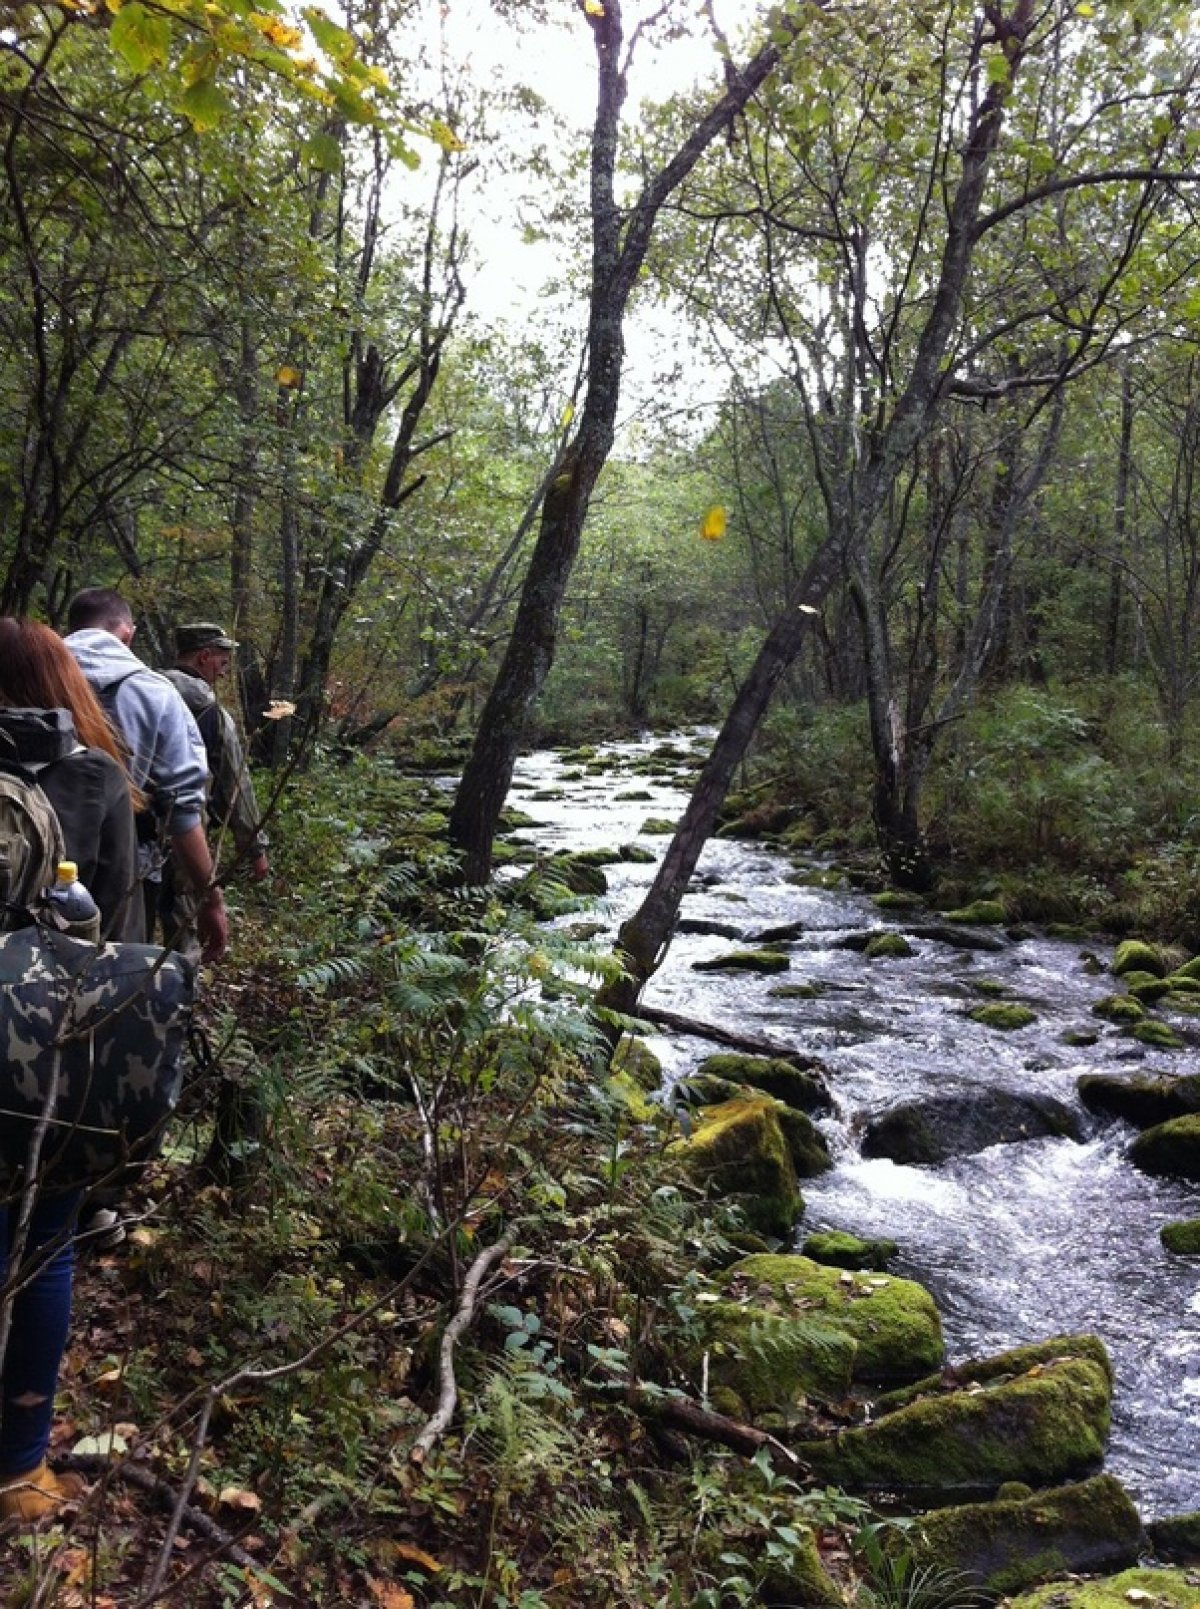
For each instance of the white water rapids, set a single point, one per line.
(1017, 1243)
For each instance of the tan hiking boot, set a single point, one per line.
(38, 1492)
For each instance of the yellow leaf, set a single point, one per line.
(389, 1596)
(568, 414)
(415, 1555)
(593, 8)
(1085, 10)
(277, 31)
(712, 527)
(445, 136)
(288, 376)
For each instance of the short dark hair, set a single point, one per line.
(98, 608)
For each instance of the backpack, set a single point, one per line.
(31, 843)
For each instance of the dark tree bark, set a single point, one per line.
(619, 244)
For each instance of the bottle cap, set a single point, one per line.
(68, 872)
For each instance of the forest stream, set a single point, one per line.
(1016, 1243)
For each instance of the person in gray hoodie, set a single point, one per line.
(166, 755)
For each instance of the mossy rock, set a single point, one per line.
(1183, 983)
(1008, 1365)
(836, 1248)
(990, 988)
(1043, 1427)
(1144, 986)
(580, 875)
(1190, 969)
(897, 899)
(1119, 1008)
(797, 991)
(808, 1146)
(657, 827)
(770, 1363)
(577, 756)
(893, 1321)
(1146, 1587)
(798, 1087)
(1135, 955)
(1159, 1034)
(1176, 1537)
(979, 913)
(635, 1058)
(515, 821)
(1080, 1037)
(596, 857)
(888, 947)
(817, 877)
(1005, 1015)
(1014, 1543)
(1182, 1238)
(636, 855)
(738, 1151)
(547, 795)
(1170, 1149)
(1143, 1101)
(634, 796)
(744, 961)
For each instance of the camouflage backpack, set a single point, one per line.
(31, 843)
(91, 1038)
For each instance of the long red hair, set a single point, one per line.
(38, 671)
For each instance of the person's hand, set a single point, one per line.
(259, 866)
(212, 926)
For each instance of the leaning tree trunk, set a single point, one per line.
(620, 238)
(643, 939)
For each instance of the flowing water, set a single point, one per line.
(1017, 1243)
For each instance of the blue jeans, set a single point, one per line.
(38, 1337)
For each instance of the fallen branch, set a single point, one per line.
(680, 1413)
(750, 1043)
(439, 1421)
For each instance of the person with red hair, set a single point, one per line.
(52, 726)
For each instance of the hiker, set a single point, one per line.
(53, 728)
(203, 654)
(166, 756)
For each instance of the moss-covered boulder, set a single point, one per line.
(1176, 1537)
(1044, 1427)
(1170, 1149)
(744, 961)
(893, 1321)
(1144, 1588)
(798, 1579)
(1141, 1100)
(1144, 986)
(765, 1364)
(738, 1151)
(998, 1366)
(933, 1130)
(1119, 1008)
(1190, 969)
(657, 827)
(1006, 1015)
(635, 1058)
(1012, 1544)
(838, 1249)
(979, 913)
(579, 874)
(808, 1147)
(1134, 955)
(1159, 1034)
(1182, 1238)
(636, 855)
(798, 1087)
(897, 899)
(888, 947)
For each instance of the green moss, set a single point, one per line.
(1176, 1537)
(1047, 1425)
(1144, 986)
(1190, 969)
(1008, 1365)
(1080, 1036)
(1119, 1008)
(1182, 1238)
(989, 987)
(1154, 1589)
(1171, 1149)
(771, 1362)
(837, 1249)
(806, 1144)
(639, 1061)
(1134, 955)
(738, 1151)
(896, 899)
(1026, 1538)
(794, 1086)
(635, 796)
(744, 961)
(1152, 1032)
(1003, 1015)
(797, 991)
(1183, 983)
(596, 857)
(657, 827)
(894, 1321)
(800, 1578)
(635, 855)
(888, 946)
(515, 821)
(980, 913)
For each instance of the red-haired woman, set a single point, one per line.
(52, 725)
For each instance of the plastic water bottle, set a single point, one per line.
(69, 904)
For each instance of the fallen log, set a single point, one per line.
(751, 1044)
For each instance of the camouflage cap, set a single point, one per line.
(201, 634)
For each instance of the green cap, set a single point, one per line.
(201, 634)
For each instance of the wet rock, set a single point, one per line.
(635, 855)
(1014, 1543)
(1133, 955)
(703, 925)
(1005, 1015)
(959, 938)
(1045, 1426)
(1159, 1034)
(979, 913)
(635, 1058)
(1176, 1537)
(933, 1130)
(1142, 1588)
(808, 1146)
(838, 1249)
(784, 934)
(596, 857)
(797, 1087)
(894, 1322)
(1171, 1149)
(888, 947)
(744, 961)
(897, 899)
(1140, 1100)
(657, 827)
(1119, 1008)
(1146, 987)
(738, 1151)
(999, 1366)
